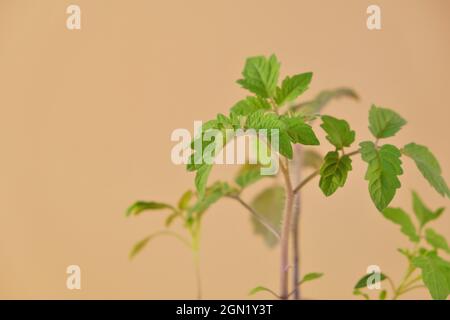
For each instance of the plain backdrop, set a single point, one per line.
(85, 125)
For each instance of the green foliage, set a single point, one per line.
(212, 194)
(185, 199)
(262, 289)
(196, 159)
(362, 282)
(436, 240)
(384, 123)
(264, 111)
(428, 165)
(140, 206)
(400, 217)
(201, 179)
(435, 274)
(333, 172)
(382, 172)
(263, 120)
(423, 214)
(299, 131)
(358, 292)
(435, 271)
(170, 218)
(261, 75)
(250, 105)
(310, 277)
(292, 87)
(269, 204)
(338, 132)
(137, 248)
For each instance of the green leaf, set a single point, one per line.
(362, 283)
(223, 122)
(382, 172)
(250, 105)
(436, 240)
(212, 194)
(423, 214)
(435, 274)
(262, 289)
(196, 159)
(269, 121)
(428, 165)
(139, 246)
(400, 217)
(384, 123)
(143, 243)
(299, 131)
(312, 159)
(183, 203)
(264, 120)
(292, 87)
(201, 179)
(141, 206)
(333, 172)
(270, 205)
(285, 147)
(358, 292)
(261, 75)
(248, 174)
(339, 133)
(311, 276)
(407, 253)
(171, 218)
(312, 107)
(382, 295)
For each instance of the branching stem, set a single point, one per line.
(256, 215)
(316, 173)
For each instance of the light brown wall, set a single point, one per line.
(85, 127)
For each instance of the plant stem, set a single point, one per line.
(296, 178)
(413, 288)
(315, 174)
(402, 286)
(198, 274)
(195, 234)
(305, 181)
(286, 230)
(257, 216)
(287, 224)
(412, 281)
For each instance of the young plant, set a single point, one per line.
(189, 211)
(271, 108)
(426, 265)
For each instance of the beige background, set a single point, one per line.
(86, 118)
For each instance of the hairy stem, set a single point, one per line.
(286, 230)
(305, 181)
(296, 178)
